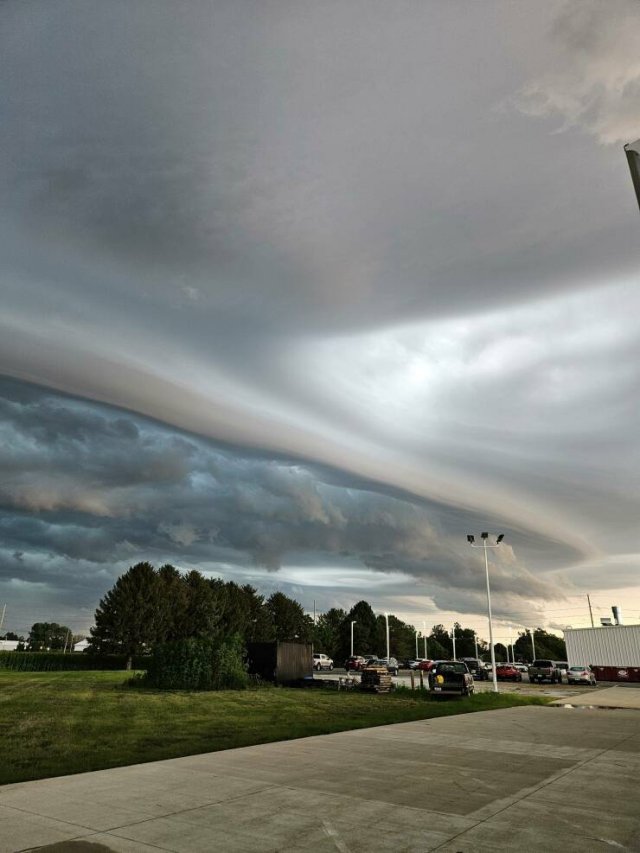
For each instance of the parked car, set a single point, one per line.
(476, 668)
(412, 663)
(544, 670)
(355, 662)
(507, 672)
(451, 677)
(521, 667)
(321, 661)
(390, 663)
(426, 665)
(581, 675)
(562, 667)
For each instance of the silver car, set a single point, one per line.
(581, 675)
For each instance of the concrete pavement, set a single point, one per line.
(522, 779)
(610, 697)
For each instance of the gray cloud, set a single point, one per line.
(322, 237)
(593, 80)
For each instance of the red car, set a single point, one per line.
(355, 662)
(507, 672)
(425, 665)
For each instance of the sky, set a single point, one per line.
(300, 294)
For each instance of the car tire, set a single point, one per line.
(331, 668)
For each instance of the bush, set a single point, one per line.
(198, 665)
(57, 661)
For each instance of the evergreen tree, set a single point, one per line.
(203, 609)
(174, 599)
(289, 619)
(327, 633)
(365, 632)
(129, 618)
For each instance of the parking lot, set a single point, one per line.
(556, 691)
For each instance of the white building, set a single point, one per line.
(612, 651)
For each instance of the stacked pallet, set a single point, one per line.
(375, 679)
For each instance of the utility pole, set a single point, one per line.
(424, 634)
(416, 643)
(352, 624)
(475, 643)
(590, 610)
(4, 610)
(453, 637)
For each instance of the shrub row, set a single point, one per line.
(52, 661)
(198, 665)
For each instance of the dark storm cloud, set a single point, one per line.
(75, 528)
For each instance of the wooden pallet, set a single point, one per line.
(375, 679)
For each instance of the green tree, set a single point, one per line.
(402, 638)
(440, 639)
(129, 619)
(204, 608)
(48, 635)
(289, 619)
(327, 633)
(365, 631)
(500, 652)
(173, 604)
(260, 627)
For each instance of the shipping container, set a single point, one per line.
(282, 663)
(612, 652)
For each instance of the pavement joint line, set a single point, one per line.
(536, 788)
(93, 830)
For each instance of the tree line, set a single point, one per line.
(148, 606)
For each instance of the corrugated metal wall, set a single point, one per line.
(617, 646)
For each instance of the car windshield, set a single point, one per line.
(578, 668)
(542, 663)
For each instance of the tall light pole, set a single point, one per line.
(533, 645)
(417, 643)
(352, 624)
(453, 637)
(475, 643)
(424, 634)
(386, 616)
(485, 545)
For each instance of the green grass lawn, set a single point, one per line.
(55, 723)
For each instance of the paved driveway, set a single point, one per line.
(523, 779)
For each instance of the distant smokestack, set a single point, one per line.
(617, 614)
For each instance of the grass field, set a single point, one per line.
(56, 723)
